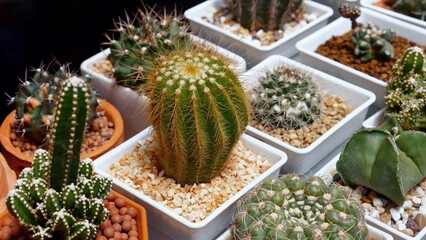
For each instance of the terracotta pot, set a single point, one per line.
(18, 161)
(141, 218)
(7, 181)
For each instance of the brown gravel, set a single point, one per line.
(193, 202)
(334, 110)
(99, 132)
(340, 49)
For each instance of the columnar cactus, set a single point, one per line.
(287, 97)
(267, 15)
(373, 43)
(414, 8)
(406, 91)
(386, 159)
(292, 208)
(34, 102)
(141, 40)
(59, 197)
(198, 109)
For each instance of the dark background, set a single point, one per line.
(36, 31)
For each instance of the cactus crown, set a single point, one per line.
(35, 100)
(264, 14)
(287, 97)
(59, 198)
(292, 208)
(373, 43)
(406, 91)
(198, 110)
(352, 12)
(141, 40)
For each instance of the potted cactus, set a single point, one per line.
(25, 128)
(410, 11)
(302, 111)
(199, 111)
(357, 56)
(59, 197)
(120, 71)
(257, 29)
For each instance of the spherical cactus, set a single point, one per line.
(292, 208)
(198, 110)
(265, 14)
(287, 97)
(141, 40)
(350, 12)
(372, 43)
(406, 91)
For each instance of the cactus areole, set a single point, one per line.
(198, 110)
(386, 159)
(292, 208)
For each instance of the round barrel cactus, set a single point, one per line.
(296, 209)
(198, 110)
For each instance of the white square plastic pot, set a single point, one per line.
(301, 160)
(164, 219)
(131, 104)
(340, 26)
(326, 174)
(374, 231)
(374, 120)
(415, 21)
(253, 53)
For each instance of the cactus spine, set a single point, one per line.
(372, 43)
(198, 109)
(286, 98)
(141, 40)
(35, 100)
(292, 208)
(386, 159)
(264, 14)
(406, 92)
(59, 198)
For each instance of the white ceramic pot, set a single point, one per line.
(374, 231)
(163, 219)
(253, 53)
(308, 45)
(325, 173)
(301, 160)
(131, 104)
(415, 21)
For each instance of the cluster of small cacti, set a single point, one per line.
(141, 40)
(386, 159)
(292, 208)
(287, 97)
(406, 91)
(373, 43)
(414, 8)
(59, 197)
(198, 109)
(35, 100)
(267, 15)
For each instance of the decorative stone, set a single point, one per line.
(377, 202)
(420, 220)
(396, 215)
(407, 204)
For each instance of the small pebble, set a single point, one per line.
(396, 215)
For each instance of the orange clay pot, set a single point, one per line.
(141, 219)
(7, 181)
(18, 161)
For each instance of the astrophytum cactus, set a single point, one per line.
(59, 197)
(296, 209)
(198, 110)
(386, 159)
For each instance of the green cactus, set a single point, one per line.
(141, 40)
(287, 97)
(35, 100)
(386, 159)
(296, 209)
(413, 8)
(406, 91)
(59, 197)
(372, 43)
(198, 110)
(264, 14)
